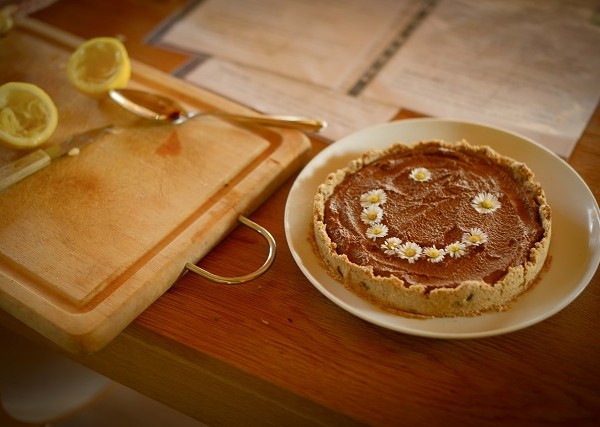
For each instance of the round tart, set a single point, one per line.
(433, 229)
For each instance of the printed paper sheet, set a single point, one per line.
(524, 65)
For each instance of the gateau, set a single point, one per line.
(433, 229)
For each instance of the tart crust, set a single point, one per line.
(469, 297)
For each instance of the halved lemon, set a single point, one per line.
(98, 65)
(28, 116)
(6, 18)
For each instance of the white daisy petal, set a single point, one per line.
(377, 230)
(485, 203)
(410, 251)
(475, 237)
(434, 254)
(456, 249)
(420, 174)
(373, 198)
(372, 214)
(390, 246)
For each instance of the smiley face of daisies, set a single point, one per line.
(373, 216)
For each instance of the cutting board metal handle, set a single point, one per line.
(241, 279)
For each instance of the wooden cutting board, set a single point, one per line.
(89, 242)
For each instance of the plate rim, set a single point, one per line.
(396, 125)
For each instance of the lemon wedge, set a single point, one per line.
(28, 116)
(98, 65)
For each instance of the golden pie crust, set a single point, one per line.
(486, 278)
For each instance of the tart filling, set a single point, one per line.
(434, 229)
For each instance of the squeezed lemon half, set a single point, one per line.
(28, 116)
(6, 18)
(98, 65)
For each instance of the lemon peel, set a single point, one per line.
(28, 116)
(98, 65)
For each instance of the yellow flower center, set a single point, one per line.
(410, 252)
(487, 204)
(474, 239)
(420, 176)
(374, 198)
(372, 215)
(434, 253)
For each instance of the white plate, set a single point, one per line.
(574, 249)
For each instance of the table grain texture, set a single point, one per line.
(276, 352)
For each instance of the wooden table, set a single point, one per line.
(276, 352)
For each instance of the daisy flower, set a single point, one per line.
(420, 174)
(456, 249)
(377, 230)
(373, 197)
(371, 214)
(474, 237)
(410, 251)
(390, 246)
(434, 254)
(485, 203)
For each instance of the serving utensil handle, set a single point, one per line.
(293, 122)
